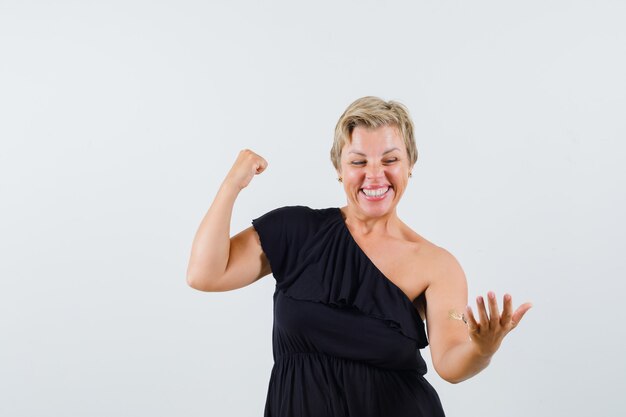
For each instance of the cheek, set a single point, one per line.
(352, 174)
(356, 180)
(400, 170)
(400, 176)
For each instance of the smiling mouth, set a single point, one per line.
(375, 192)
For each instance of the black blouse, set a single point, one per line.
(346, 339)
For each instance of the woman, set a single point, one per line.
(353, 284)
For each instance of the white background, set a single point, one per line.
(119, 119)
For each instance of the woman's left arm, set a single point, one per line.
(462, 345)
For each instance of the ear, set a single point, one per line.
(338, 171)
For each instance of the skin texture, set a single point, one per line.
(378, 158)
(219, 262)
(427, 274)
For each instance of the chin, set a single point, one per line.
(376, 211)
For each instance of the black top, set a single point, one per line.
(345, 337)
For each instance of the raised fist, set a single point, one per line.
(247, 165)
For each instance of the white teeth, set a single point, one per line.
(375, 193)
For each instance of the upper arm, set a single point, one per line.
(246, 262)
(447, 291)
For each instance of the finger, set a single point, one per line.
(494, 311)
(482, 312)
(519, 313)
(261, 165)
(507, 310)
(472, 325)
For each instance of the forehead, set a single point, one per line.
(374, 141)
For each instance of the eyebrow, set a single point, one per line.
(384, 153)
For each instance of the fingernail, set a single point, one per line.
(491, 294)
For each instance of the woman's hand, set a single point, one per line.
(488, 333)
(247, 165)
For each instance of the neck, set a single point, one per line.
(362, 224)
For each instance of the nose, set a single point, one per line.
(374, 170)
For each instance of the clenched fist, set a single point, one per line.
(247, 165)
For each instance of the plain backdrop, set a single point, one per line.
(119, 120)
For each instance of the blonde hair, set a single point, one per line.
(373, 112)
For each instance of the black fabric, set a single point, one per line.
(345, 337)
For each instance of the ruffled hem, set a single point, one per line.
(332, 269)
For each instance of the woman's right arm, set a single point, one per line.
(219, 262)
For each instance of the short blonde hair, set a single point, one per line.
(373, 112)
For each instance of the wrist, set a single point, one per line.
(230, 186)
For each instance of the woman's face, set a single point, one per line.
(375, 170)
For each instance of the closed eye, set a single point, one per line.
(358, 162)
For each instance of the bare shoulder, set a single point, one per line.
(436, 261)
(447, 264)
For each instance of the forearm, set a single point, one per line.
(462, 362)
(211, 245)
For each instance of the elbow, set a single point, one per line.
(198, 283)
(191, 282)
(454, 376)
(452, 380)
(451, 376)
